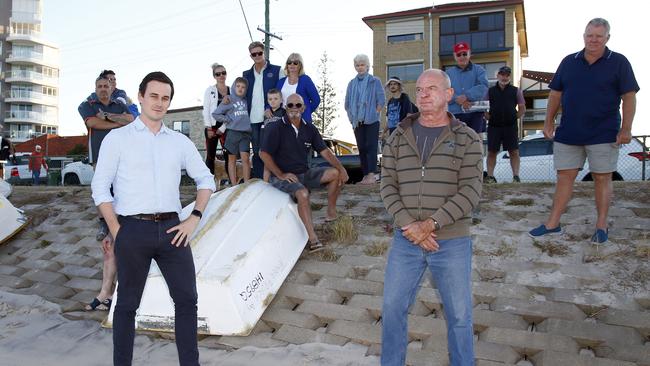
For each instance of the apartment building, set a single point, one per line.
(29, 72)
(405, 43)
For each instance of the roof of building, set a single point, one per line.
(53, 145)
(444, 8)
(186, 109)
(542, 76)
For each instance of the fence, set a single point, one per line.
(536, 162)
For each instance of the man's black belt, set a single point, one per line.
(160, 216)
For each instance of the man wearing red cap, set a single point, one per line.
(470, 85)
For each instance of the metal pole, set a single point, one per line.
(267, 28)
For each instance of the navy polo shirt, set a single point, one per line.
(288, 150)
(90, 108)
(591, 97)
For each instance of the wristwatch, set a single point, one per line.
(105, 116)
(436, 225)
(197, 213)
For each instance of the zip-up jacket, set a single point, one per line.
(446, 187)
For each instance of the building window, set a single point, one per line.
(406, 72)
(405, 30)
(491, 70)
(405, 37)
(182, 127)
(483, 32)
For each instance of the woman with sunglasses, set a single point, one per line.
(299, 83)
(211, 99)
(364, 100)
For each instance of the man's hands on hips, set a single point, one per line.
(184, 230)
(422, 234)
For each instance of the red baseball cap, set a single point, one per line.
(461, 46)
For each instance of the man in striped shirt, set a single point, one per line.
(430, 182)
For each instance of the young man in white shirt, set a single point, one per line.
(143, 162)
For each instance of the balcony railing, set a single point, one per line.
(26, 116)
(31, 75)
(29, 94)
(26, 54)
(18, 136)
(24, 32)
(539, 114)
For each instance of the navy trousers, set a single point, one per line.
(367, 136)
(136, 244)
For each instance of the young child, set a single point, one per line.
(274, 98)
(234, 116)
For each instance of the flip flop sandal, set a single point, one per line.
(316, 246)
(99, 305)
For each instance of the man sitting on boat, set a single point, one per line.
(285, 147)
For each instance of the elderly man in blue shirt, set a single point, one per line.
(470, 85)
(591, 86)
(143, 162)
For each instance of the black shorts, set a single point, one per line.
(309, 179)
(506, 136)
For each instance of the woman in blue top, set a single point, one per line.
(298, 82)
(364, 99)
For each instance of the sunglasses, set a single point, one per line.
(293, 63)
(256, 54)
(461, 54)
(220, 73)
(296, 105)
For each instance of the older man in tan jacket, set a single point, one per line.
(431, 181)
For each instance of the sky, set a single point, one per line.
(184, 38)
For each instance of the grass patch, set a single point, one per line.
(643, 252)
(343, 230)
(350, 203)
(515, 215)
(376, 249)
(504, 250)
(552, 249)
(520, 202)
(44, 244)
(577, 237)
(374, 211)
(326, 255)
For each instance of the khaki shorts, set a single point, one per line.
(603, 158)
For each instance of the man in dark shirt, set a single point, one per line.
(101, 115)
(507, 105)
(590, 85)
(284, 150)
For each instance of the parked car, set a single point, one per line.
(347, 155)
(77, 173)
(16, 170)
(536, 154)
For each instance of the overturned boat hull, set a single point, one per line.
(246, 244)
(12, 220)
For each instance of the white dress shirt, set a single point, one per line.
(258, 99)
(145, 169)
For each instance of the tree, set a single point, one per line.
(327, 111)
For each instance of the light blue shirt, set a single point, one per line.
(471, 82)
(145, 169)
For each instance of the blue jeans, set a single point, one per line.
(451, 267)
(137, 243)
(36, 176)
(256, 141)
(367, 137)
